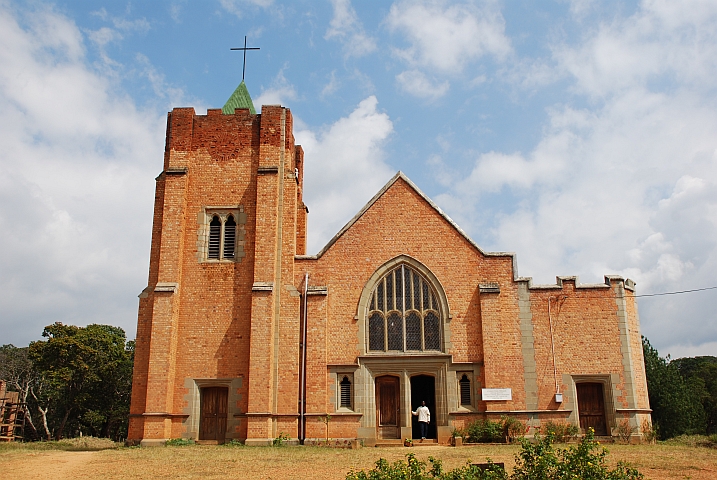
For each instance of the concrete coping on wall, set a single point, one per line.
(317, 290)
(267, 170)
(166, 287)
(490, 287)
(559, 280)
(176, 170)
(262, 287)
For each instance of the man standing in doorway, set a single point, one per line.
(424, 418)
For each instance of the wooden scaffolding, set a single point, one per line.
(12, 415)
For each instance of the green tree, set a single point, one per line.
(676, 402)
(704, 369)
(88, 373)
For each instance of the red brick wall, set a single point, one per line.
(216, 326)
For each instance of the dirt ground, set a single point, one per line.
(654, 461)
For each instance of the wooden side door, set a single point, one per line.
(591, 407)
(213, 414)
(387, 407)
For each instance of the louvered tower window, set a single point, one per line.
(230, 234)
(345, 392)
(404, 313)
(215, 237)
(222, 237)
(465, 386)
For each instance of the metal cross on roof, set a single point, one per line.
(243, 70)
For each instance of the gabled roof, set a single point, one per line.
(629, 284)
(239, 99)
(402, 176)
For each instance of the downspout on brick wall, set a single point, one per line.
(552, 345)
(302, 364)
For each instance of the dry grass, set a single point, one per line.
(661, 461)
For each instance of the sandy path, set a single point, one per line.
(55, 465)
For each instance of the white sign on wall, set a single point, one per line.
(497, 394)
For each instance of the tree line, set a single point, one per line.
(77, 381)
(683, 393)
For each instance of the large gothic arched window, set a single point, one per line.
(404, 313)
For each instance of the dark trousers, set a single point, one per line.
(424, 429)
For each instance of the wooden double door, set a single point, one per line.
(213, 414)
(591, 407)
(388, 410)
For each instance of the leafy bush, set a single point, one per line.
(487, 431)
(535, 461)
(624, 430)
(650, 432)
(513, 428)
(414, 469)
(179, 442)
(233, 443)
(559, 432)
(586, 461)
(279, 441)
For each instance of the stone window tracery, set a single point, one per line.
(404, 313)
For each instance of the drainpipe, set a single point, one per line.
(302, 366)
(558, 395)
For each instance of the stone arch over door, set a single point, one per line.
(363, 307)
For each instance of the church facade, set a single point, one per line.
(241, 335)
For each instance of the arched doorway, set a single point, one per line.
(423, 389)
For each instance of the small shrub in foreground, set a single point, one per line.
(487, 431)
(414, 469)
(539, 461)
(535, 461)
(559, 432)
(179, 442)
(624, 430)
(279, 441)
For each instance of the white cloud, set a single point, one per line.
(346, 26)
(417, 84)
(662, 41)
(344, 168)
(279, 93)
(331, 87)
(447, 36)
(627, 184)
(238, 7)
(75, 182)
(690, 350)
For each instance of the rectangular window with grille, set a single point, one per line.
(465, 387)
(344, 392)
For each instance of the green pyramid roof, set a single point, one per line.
(239, 99)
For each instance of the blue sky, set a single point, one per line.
(580, 134)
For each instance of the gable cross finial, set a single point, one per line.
(243, 70)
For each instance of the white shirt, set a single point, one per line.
(423, 413)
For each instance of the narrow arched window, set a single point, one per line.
(465, 387)
(215, 235)
(230, 234)
(404, 313)
(345, 392)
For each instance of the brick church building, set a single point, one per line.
(242, 335)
